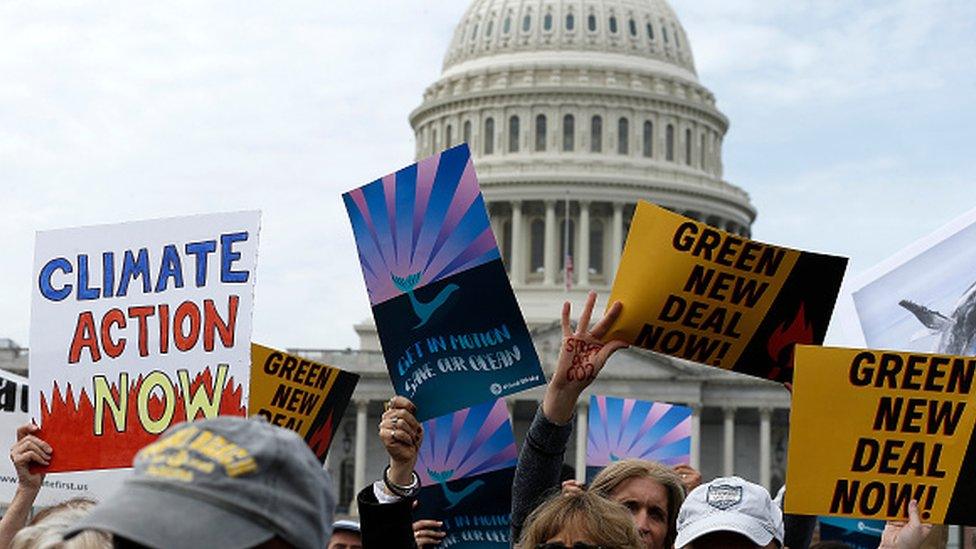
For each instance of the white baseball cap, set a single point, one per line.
(730, 504)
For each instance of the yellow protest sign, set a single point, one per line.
(871, 430)
(695, 292)
(299, 394)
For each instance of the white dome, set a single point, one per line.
(574, 111)
(647, 30)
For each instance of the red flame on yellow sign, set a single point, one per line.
(69, 423)
(787, 336)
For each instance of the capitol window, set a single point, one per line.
(537, 246)
(507, 25)
(596, 247)
(540, 132)
(688, 147)
(664, 33)
(513, 134)
(591, 23)
(490, 136)
(448, 137)
(474, 32)
(570, 21)
(633, 27)
(489, 28)
(623, 136)
(569, 133)
(467, 132)
(648, 138)
(547, 22)
(596, 134)
(669, 143)
(526, 23)
(650, 31)
(701, 152)
(613, 24)
(677, 39)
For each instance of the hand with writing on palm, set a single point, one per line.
(581, 357)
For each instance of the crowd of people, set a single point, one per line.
(237, 483)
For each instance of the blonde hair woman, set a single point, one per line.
(580, 520)
(651, 491)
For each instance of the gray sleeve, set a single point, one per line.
(538, 468)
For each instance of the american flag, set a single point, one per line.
(569, 271)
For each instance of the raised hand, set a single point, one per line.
(690, 477)
(902, 535)
(428, 532)
(581, 357)
(401, 434)
(29, 448)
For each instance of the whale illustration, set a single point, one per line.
(441, 477)
(614, 458)
(958, 329)
(421, 309)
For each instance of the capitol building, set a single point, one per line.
(575, 110)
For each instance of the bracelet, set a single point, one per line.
(402, 491)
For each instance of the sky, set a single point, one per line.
(851, 126)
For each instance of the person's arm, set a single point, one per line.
(582, 355)
(905, 535)
(385, 516)
(27, 449)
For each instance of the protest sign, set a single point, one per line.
(466, 466)
(299, 394)
(699, 293)
(451, 331)
(57, 487)
(922, 298)
(898, 426)
(856, 533)
(624, 428)
(137, 326)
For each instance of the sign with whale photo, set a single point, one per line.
(699, 293)
(625, 428)
(447, 319)
(466, 466)
(921, 299)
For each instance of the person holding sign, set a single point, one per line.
(385, 505)
(651, 491)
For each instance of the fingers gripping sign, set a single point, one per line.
(581, 357)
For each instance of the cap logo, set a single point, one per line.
(191, 450)
(723, 496)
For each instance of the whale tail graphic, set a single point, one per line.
(932, 320)
(454, 498)
(614, 458)
(423, 310)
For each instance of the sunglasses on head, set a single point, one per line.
(577, 545)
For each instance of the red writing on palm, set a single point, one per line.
(582, 356)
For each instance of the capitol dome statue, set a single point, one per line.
(594, 104)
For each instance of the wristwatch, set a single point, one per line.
(409, 491)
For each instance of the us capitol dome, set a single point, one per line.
(594, 103)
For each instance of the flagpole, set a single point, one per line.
(566, 281)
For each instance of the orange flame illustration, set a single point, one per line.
(787, 336)
(68, 423)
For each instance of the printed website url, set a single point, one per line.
(55, 484)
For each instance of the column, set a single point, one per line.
(550, 244)
(359, 473)
(583, 255)
(696, 435)
(516, 251)
(728, 447)
(617, 240)
(582, 423)
(765, 447)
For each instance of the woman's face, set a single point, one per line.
(647, 501)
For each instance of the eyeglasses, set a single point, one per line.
(577, 545)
